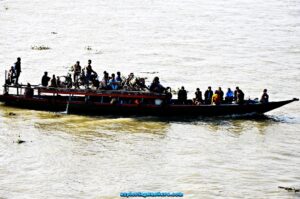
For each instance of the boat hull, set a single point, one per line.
(95, 108)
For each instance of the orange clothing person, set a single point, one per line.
(216, 98)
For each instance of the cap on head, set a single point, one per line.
(89, 61)
(19, 59)
(237, 88)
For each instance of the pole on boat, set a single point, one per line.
(5, 86)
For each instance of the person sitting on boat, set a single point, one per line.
(265, 97)
(45, 79)
(156, 86)
(182, 96)
(216, 98)
(58, 82)
(76, 73)
(113, 84)
(105, 80)
(28, 91)
(68, 80)
(239, 95)
(11, 76)
(208, 95)
(198, 97)
(53, 82)
(90, 73)
(96, 83)
(229, 96)
(168, 93)
(221, 93)
(119, 79)
(128, 84)
(140, 84)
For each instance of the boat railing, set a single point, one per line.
(38, 89)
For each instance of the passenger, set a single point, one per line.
(239, 96)
(53, 82)
(18, 69)
(58, 82)
(68, 81)
(198, 97)
(265, 97)
(96, 83)
(119, 79)
(28, 91)
(113, 82)
(76, 73)
(229, 96)
(156, 86)
(182, 96)
(140, 84)
(82, 78)
(105, 80)
(11, 75)
(216, 98)
(45, 79)
(129, 81)
(168, 92)
(221, 93)
(90, 73)
(208, 95)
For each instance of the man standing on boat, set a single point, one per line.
(18, 69)
(76, 73)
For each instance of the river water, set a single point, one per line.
(252, 44)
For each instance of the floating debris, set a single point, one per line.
(54, 33)
(40, 48)
(20, 141)
(88, 48)
(5, 7)
(11, 114)
(289, 189)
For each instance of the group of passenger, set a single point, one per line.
(86, 76)
(217, 97)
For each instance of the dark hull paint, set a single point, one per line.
(94, 108)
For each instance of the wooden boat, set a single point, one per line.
(123, 103)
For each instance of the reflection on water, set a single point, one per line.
(103, 126)
(85, 125)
